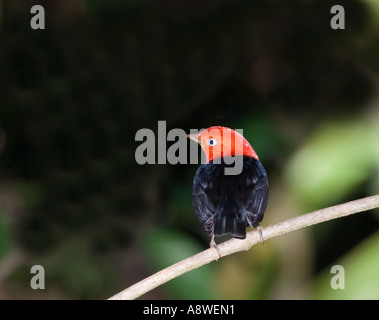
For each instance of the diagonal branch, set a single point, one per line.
(252, 238)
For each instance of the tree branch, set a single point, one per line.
(252, 238)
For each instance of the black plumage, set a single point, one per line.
(227, 204)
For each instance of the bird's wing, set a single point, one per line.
(254, 191)
(205, 196)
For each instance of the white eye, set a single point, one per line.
(212, 142)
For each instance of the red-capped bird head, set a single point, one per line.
(219, 142)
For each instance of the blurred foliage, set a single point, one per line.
(342, 155)
(72, 97)
(166, 247)
(360, 274)
(4, 238)
(248, 275)
(373, 7)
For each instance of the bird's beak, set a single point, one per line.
(194, 137)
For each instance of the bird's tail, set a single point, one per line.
(226, 223)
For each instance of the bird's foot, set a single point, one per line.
(259, 229)
(213, 244)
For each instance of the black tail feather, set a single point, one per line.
(224, 224)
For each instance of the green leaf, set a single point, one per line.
(4, 239)
(373, 9)
(335, 159)
(361, 274)
(166, 247)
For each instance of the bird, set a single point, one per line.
(228, 203)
